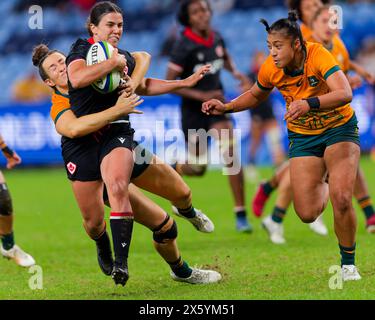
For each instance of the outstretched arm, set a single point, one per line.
(12, 157)
(152, 87)
(249, 99)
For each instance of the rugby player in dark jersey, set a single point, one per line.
(199, 45)
(106, 156)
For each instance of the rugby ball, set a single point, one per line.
(99, 52)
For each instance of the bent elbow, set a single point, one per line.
(348, 96)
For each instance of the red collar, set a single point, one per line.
(91, 40)
(188, 33)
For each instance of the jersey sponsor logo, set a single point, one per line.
(122, 140)
(200, 56)
(71, 167)
(216, 66)
(219, 51)
(313, 81)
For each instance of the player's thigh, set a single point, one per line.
(306, 177)
(146, 212)
(116, 167)
(161, 179)
(342, 163)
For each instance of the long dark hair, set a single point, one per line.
(98, 11)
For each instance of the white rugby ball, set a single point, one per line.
(99, 52)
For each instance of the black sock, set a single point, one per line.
(267, 188)
(278, 214)
(187, 213)
(121, 227)
(103, 241)
(347, 255)
(8, 241)
(240, 212)
(180, 268)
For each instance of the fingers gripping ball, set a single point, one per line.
(99, 52)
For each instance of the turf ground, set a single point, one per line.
(48, 225)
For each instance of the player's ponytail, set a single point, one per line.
(263, 21)
(40, 53)
(289, 26)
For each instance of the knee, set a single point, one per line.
(182, 195)
(342, 202)
(6, 207)
(93, 224)
(307, 215)
(118, 186)
(198, 169)
(166, 232)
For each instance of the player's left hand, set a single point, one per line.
(128, 87)
(13, 160)
(297, 109)
(197, 76)
(370, 78)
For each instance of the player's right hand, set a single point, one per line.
(213, 107)
(126, 105)
(12, 160)
(119, 60)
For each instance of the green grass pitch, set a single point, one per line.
(49, 226)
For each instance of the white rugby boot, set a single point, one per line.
(22, 258)
(318, 226)
(275, 230)
(199, 276)
(201, 222)
(350, 272)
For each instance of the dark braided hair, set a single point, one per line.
(183, 11)
(289, 26)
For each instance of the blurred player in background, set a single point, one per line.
(199, 45)
(8, 248)
(322, 128)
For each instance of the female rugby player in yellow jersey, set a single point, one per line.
(306, 10)
(321, 33)
(9, 249)
(158, 177)
(322, 128)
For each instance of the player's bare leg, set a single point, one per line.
(159, 178)
(164, 230)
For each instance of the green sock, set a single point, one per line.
(8, 241)
(180, 268)
(347, 255)
(366, 206)
(278, 214)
